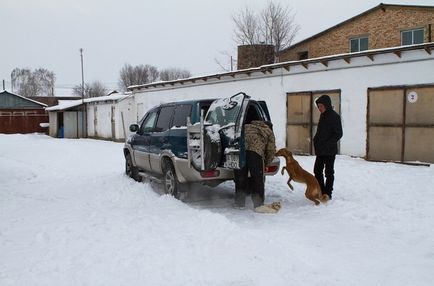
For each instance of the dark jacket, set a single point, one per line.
(329, 129)
(260, 139)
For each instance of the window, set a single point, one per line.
(225, 111)
(163, 121)
(411, 37)
(181, 114)
(358, 44)
(148, 123)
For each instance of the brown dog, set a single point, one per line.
(299, 175)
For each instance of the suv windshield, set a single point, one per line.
(225, 111)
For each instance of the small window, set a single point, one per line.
(411, 37)
(148, 123)
(359, 44)
(164, 118)
(181, 114)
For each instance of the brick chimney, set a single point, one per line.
(250, 56)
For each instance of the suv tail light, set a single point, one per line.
(270, 169)
(210, 174)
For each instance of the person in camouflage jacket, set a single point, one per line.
(260, 149)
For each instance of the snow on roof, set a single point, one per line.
(268, 68)
(114, 97)
(66, 104)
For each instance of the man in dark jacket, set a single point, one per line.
(260, 149)
(325, 141)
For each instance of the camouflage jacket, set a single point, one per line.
(259, 138)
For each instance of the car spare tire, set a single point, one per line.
(212, 149)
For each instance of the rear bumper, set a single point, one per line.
(188, 173)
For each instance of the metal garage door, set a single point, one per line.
(303, 119)
(401, 124)
(22, 121)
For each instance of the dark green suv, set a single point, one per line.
(196, 141)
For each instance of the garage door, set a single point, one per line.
(401, 124)
(22, 121)
(303, 117)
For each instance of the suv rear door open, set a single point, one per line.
(216, 140)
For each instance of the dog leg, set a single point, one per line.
(289, 184)
(310, 196)
(283, 169)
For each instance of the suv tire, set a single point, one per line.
(130, 170)
(170, 181)
(212, 152)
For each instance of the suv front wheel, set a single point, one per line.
(130, 170)
(170, 181)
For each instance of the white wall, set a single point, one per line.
(353, 79)
(125, 116)
(90, 118)
(123, 108)
(53, 124)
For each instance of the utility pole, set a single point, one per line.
(83, 107)
(82, 76)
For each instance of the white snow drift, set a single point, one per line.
(69, 216)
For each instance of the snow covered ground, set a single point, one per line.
(69, 216)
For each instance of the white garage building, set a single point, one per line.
(385, 98)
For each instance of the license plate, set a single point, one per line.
(232, 161)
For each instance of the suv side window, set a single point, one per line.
(148, 123)
(164, 118)
(181, 114)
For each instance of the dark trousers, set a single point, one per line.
(325, 165)
(254, 184)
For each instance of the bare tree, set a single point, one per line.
(247, 27)
(94, 89)
(274, 25)
(226, 61)
(39, 82)
(278, 26)
(136, 75)
(173, 74)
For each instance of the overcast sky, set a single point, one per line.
(188, 34)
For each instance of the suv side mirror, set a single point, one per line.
(134, 127)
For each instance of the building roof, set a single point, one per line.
(68, 104)
(21, 98)
(380, 6)
(268, 69)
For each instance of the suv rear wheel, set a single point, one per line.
(170, 181)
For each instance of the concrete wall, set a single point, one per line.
(124, 115)
(53, 124)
